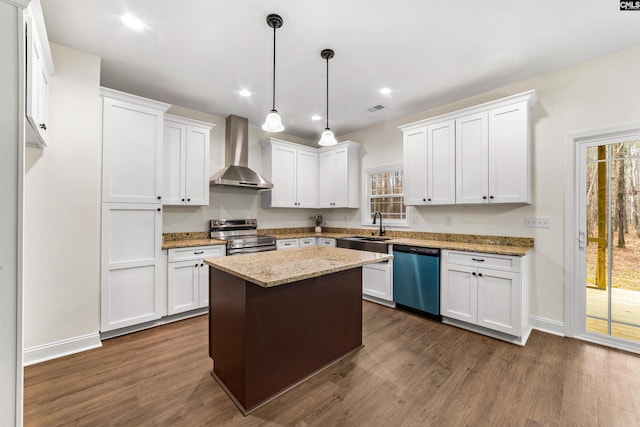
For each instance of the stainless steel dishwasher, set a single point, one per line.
(416, 278)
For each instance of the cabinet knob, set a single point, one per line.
(183, 200)
(484, 197)
(188, 200)
(424, 200)
(43, 126)
(196, 264)
(491, 197)
(159, 197)
(159, 209)
(480, 274)
(202, 265)
(473, 274)
(429, 199)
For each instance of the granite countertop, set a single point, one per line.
(438, 244)
(463, 246)
(486, 244)
(185, 243)
(275, 268)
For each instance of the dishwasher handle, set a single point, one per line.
(418, 250)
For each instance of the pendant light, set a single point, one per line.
(273, 122)
(327, 138)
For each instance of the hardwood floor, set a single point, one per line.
(412, 371)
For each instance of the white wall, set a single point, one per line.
(62, 208)
(599, 93)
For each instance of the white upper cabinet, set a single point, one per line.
(429, 164)
(510, 154)
(339, 176)
(307, 179)
(477, 155)
(132, 134)
(472, 165)
(186, 146)
(39, 66)
(293, 170)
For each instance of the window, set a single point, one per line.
(384, 193)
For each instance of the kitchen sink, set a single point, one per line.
(364, 243)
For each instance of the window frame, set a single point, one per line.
(366, 197)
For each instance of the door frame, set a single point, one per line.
(573, 141)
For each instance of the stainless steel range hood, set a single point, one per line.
(236, 172)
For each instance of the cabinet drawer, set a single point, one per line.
(476, 259)
(287, 244)
(196, 252)
(307, 241)
(322, 241)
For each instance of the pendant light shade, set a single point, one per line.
(327, 138)
(273, 122)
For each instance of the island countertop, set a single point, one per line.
(275, 268)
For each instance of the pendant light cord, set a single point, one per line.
(273, 106)
(327, 93)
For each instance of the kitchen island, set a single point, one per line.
(276, 318)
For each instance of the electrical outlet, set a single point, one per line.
(447, 220)
(167, 220)
(414, 219)
(536, 222)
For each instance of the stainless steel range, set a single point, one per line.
(241, 236)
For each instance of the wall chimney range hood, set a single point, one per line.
(236, 172)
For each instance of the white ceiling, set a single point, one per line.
(199, 53)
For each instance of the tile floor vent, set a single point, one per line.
(375, 108)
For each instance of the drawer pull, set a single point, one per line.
(477, 259)
(198, 253)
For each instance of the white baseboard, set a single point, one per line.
(549, 326)
(57, 349)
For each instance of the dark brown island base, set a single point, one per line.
(277, 318)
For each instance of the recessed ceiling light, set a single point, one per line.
(244, 92)
(132, 22)
(315, 117)
(385, 91)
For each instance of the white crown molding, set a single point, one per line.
(135, 99)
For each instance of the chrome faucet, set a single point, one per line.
(381, 232)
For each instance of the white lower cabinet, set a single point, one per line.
(287, 244)
(486, 293)
(188, 277)
(305, 242)
(131, 289)
(376, 282)
(326, 241)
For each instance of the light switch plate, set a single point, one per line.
(536, 222)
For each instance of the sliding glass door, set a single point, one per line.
(609, 242)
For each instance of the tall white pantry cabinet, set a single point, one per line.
(131, 285)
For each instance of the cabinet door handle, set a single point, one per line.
(477, 260)
(198, 253)
(43, 126)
